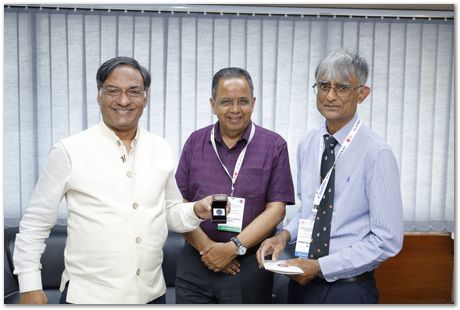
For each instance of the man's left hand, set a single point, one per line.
(310, 269)
(217, 256)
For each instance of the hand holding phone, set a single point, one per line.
(218, 208)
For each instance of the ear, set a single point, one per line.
(146, 99)
(212, 102)
(99, 99)
(363, 93)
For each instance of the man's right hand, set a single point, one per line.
(274, 245)
(33, 297)
(203, 210)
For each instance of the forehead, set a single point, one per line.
(125, 74)
(235, 85)
(338, 79)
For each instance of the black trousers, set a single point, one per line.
(318, 291)
(196, 284)
(63, 300)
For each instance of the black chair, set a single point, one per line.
(53, 264)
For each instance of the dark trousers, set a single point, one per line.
(196, 284)
(318, 291)
(63, 300)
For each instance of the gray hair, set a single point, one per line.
(228, 73)
(342, 65)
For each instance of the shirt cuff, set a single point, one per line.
(292, 234)
(330, 268)
(30, 281)
(191, 215)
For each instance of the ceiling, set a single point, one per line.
(406, 6)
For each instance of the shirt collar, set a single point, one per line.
(343, 132)
(245, 136)
(108, 133)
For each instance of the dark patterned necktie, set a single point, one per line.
(321, 233)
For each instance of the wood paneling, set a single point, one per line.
(422, 273)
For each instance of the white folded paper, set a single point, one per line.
(281, 266)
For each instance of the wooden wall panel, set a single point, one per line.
(422, 273)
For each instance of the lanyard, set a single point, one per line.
(239, 162)
(322, 188)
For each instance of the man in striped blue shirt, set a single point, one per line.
(367, 214)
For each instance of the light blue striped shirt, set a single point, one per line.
(367, 222)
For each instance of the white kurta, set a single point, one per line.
(120, 207)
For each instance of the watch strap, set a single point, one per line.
(240, 247)
(236, 241)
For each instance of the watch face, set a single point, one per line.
(242, 250)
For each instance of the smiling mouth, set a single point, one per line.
(123, 110)
(234, 119)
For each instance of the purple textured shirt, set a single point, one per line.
(265, 175)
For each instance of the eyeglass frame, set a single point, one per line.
(103, 92)
(317, 90)
(229, 102)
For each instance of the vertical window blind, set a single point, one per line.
(51, 57)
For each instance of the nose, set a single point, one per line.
(331, 94)
(235, 108)
(123, 100)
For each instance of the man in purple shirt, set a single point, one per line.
(251, 165)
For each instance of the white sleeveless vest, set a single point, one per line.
(118, 218)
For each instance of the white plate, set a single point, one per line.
(280, 266)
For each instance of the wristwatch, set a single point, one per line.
(241, 248)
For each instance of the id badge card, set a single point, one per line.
(304, 233)
(235, 217)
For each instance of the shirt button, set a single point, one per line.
(138, 239)
(118, 142)
(138, 272)
(129, 174)
(135, 205)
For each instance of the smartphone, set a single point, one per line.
(218, 205)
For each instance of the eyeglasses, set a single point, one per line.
(115, 93)
(342, 90)
(227, 102)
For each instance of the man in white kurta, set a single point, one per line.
(122, 198)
